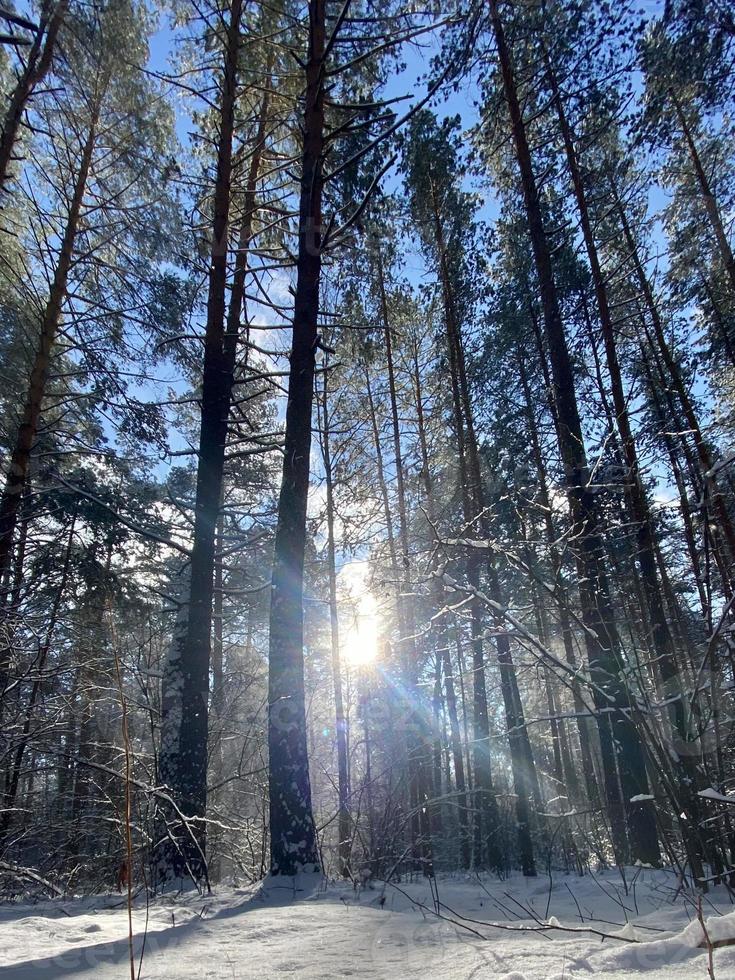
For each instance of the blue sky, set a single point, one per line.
(411, 80)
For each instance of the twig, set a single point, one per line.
(706, 942)
(540, 927)
(128, 794)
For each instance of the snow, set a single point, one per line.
(711, 794)
(310, 930)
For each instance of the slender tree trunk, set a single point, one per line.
(525, 778)
(486, 817)
(373, 856)
(652, 604)
(293, 834)
(723, 329)
(18, 470)
(418, 739)
(381, 473)
(392, 550)
(16, 767)
(236, 307)
(26, 434)
(463, 700)
(679, 480)
(605, 661)
(565, 774)
(438, 732)
(218, 662)
(217, 703)
(580, 710)
(184, 756)
(442, 639)
(710, 204)
(38, 63)
(343, 786)
(706, 461)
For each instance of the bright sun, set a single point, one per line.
(360, 638)
(359, 618)
(360, 644)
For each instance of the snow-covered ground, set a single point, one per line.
(383, 932)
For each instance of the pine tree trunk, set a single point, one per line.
(463, 700)
(720, 320)
(705, 457)
(292, 831)
(381, 473)
(236, 307)
(525, 778)
(486, 817)
(710, 204)
(639, 838)
(437, 748)
(684, 503)
(343, 786)
(580, 710)
(217, 702)
(12, 780)
(442, 637)
(185, 770)
(652, 604)
(38, 63)
(26, 434)
(418, 739)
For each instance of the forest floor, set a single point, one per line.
(385, 931)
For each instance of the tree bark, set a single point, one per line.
(381, 472)
(709, 479)
(486, 817)
(710, 204)
(442, 639)
(561, 593)
(525, 777)
(639, 838)
(343, 786)
(652, 605)
(26, 435)
(293, 834)
(419, 752)
(37, 66)
(184, 756)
